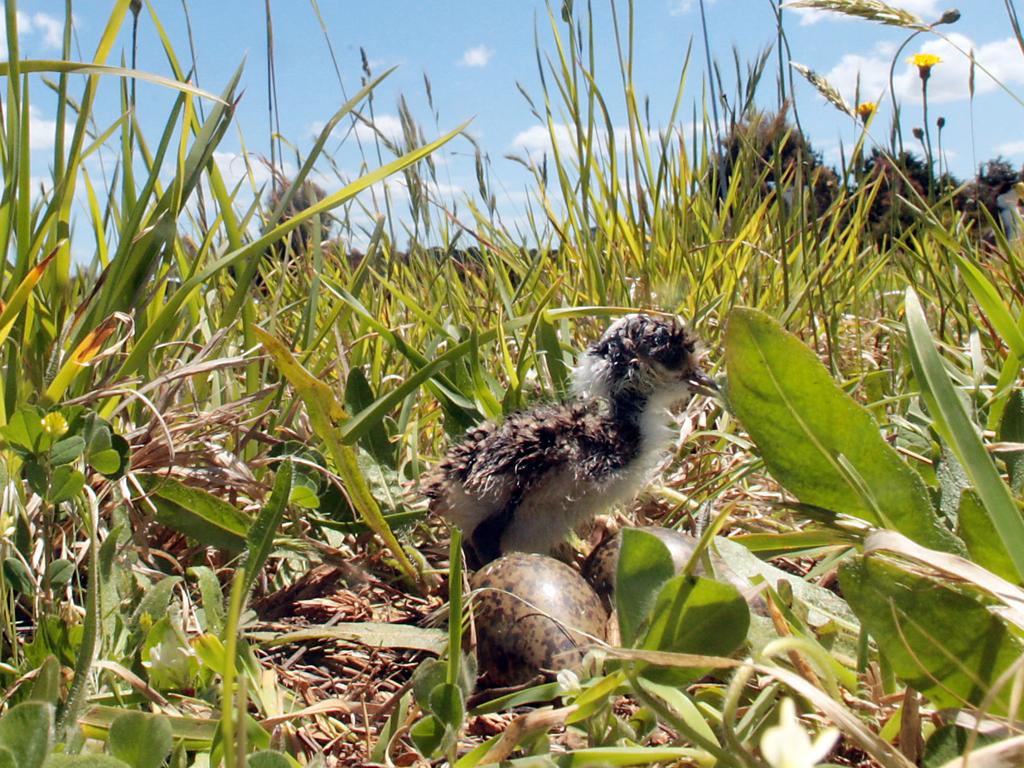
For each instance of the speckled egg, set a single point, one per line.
(599, 569)
(533, 614)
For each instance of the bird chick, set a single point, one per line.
(523, 484)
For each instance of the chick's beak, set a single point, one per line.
(702, 383)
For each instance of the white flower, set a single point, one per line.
(171, 660)
(787, 745)
(568, 682)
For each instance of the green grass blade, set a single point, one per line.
(207, 519)
(260, 539)
(36, 66)
(168, 314)
(992, 304)
(325, 412)
(951, 421)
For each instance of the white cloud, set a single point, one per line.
(477, 56)
(41, 129)
(927, 10)
(535, 141)
(398, 189)
(872, 70)
(51, 29)
(233, 167)
(389, 126)
(949, 79)
(1010, 148)
(679, 7)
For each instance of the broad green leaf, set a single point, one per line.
(950, 742)
(67, 450)
(140, 739)
(59, 572)
(36, 476)
(7, 758)
(952, 483)
(307, 480)
(818, 442)
(65, 484)
(1011, 430)
(209, 520)
(643, 568)
(213, 599)
(955, 427)
(821, 607)
(447, 705)
(18, 576)
(106, 462)
(24, 429)
(267, 759)
(260, 539)
(941, 639)
(84, 761)
(325, 413)
(27, 731)
(429, 734)
(46, 686)
(195, 732)
(696, 615)
(983, 543)
(97, 432)
(359, 395)
(428, 675)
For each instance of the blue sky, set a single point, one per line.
(474, 53)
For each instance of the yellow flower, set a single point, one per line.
(54, 424)
(924, 63)
(866, 110)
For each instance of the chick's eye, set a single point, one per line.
(661, 337)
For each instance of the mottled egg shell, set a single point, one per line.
(599, 569)
(532, 614)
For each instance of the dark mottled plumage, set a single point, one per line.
(523, 484)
